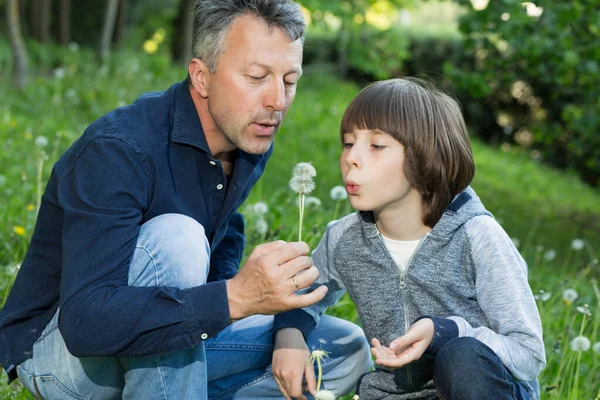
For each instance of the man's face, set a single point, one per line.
(254, 84)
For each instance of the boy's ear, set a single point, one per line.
(199, 76)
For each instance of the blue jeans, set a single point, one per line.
(172, 250)
(466, 369)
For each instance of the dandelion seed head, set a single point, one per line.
(324, 395)
(543, 296)
(570, 295)
(261, 208)
(550, 255)
(580, 343)
(312, 201)
(318, 355)
(577, 244)
(338, 193)
(41, 141)
(59, 73)
(302, 178)
(585, 309)
(262, 227)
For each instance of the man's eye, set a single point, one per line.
(256, 78)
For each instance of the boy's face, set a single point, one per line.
(372, 165)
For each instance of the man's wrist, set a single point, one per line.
(237, 309)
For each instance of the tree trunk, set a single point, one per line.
(183, 26)
(16, 43)
(44, 21)
(112, 6)
(64, 22)
(121, 22)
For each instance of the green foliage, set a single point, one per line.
(540, 76)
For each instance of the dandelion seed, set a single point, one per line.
(596, 347)
(318, 356)
(516, 241)
(261, 227)
(41, 141)
(322, 341)
(580, 343)
(324, 395)
(338, 193)
(19, 230)
(543, 296)
(550, 255)
(577, 244)
(569, 296)
(261, 208)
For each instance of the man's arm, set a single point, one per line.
(225, 260)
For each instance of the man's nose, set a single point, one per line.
(275, 97)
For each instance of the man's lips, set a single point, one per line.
(352, 187)
(266, 128)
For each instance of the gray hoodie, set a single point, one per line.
(466, 270)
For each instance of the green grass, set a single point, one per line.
(542, 208)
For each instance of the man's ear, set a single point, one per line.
(199, 75)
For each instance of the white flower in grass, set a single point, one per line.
(59, 73)
(596, 347)
(261, 227)
(585, 309)
(569, 296)
(550, 255)
(41, 141)
(539, 248)
(312, 201)
(580, 343)
(543, 296)
(324, 395)
(577, 244)
(516, 241)
(338, 193)
(261, 208)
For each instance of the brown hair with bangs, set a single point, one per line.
(430, 126)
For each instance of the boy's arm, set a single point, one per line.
(504, 295)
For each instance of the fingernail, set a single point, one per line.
(393, 346)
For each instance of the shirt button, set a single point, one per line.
(212, 163)
(219, 186)
(204, 336)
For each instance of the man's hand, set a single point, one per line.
(291, 364)
(407, 348)
(266, 284)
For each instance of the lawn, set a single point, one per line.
(552, 217)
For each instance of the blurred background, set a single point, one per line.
(527, 75)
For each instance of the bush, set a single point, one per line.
(540, 76)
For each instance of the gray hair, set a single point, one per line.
(213, 19)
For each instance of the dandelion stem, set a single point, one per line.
(337, 207)
(576, 379)
(320, 373)
(301, 210)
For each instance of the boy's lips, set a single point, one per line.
(352, 187)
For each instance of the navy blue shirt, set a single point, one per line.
(133, 164)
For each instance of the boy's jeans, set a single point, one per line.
(172, 250)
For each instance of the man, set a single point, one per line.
(130, 287)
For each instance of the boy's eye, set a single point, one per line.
(348, 145)
(377, 147)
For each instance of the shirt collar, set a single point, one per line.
(187, 128)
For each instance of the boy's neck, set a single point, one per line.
(402, 223)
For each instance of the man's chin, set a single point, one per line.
(257, 148)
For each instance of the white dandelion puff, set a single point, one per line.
(59, 73)
(577, 244)
(324, 395)
(580, 343)
(570, 295)
(543, 296)
(550, 255)
(261, 227)
(261, 208)
(585, 309)
(41, 141)
(338, 193)
(318, 356)
(312, 201)
(539, 248)
(302, 178)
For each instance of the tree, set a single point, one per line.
(110, 17)
(64, 22)
(16, 43)
(182, 27)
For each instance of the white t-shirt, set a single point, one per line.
(401, 250)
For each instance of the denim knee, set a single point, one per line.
(171, 250)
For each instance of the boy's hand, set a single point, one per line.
(407, 348)
(291, 365)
